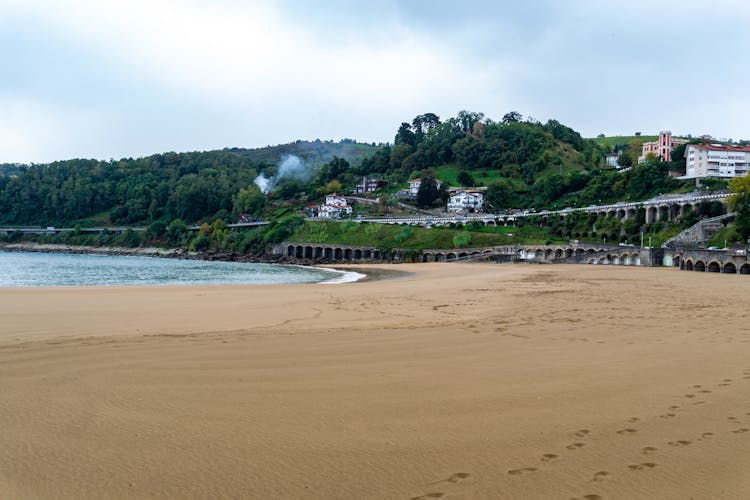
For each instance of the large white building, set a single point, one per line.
(470, 201)
(334, 207)
(716, 160)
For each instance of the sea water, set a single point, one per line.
(60, 269)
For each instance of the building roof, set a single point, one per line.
(722, 147)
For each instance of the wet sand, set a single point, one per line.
(459, 381)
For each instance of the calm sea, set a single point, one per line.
(59, 269)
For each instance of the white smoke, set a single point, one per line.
(291, 168)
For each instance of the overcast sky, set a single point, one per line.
(110, 79)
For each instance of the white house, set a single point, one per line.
(470, 201)
(716, 160)
(415, 183)
(334, 207)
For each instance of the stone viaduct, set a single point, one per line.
(663, 208)
(711, 261)
(579, 253)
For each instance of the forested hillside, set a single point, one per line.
(523, 163)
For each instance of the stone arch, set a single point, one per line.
(745, 269)
(337, 254)
(308, 252)
(474, 254)
(290, 251)
(689, 265)
(699, 266)
(462, 255)
(729, 268)
(376, 254)
(439, 257)
(663, 212)
(318, 252)
(603, 260)
(674, 211)
(713, 267)
(569, 252)
(559, 252)
(328, 252)
(548, 253)
(367, 254)
(651, 213)
(677, 260)
(357, 253)
(616, 260)
(450, 256)
(299, 252)
(348, 254)
(425, 257)
(667, 261)
(626, 260)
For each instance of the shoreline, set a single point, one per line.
(362, 273)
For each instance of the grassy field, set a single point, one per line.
(418, 238)
(621, 140)
(449, 173)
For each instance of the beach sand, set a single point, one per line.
(459, 381)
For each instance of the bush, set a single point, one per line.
(200, 243)
(404, 234)
(462, 239)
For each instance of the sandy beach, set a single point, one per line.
(458, 381)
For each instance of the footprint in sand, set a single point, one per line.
(668, 415)
(681, 442)
(731, 418)
(674, 407)
(582, 433)
(437, 494)
(633, 420)
(648, 450)
(643, 466)
(599, 476)
(575, 446)
(740, 431)
(689, 395)
(457, 477)
(590, 496)
(524, 470)
(706, 435)
(627, 431)
(548, 457)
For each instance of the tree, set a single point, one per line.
(428, 193)
(467, 120)
(248, 201)
(465, 179)
(424, 123)
(405, 135)
(333, 187)
(739, 202)
(512, 117)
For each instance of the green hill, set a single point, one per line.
(315, 153)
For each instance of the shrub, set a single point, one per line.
(462, 239)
